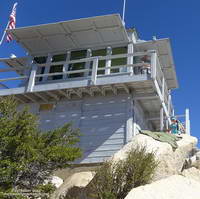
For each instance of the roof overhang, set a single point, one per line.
(74, 34)
(163, 48)
(17, 64)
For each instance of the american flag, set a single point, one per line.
(12, 22)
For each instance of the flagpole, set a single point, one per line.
(4, 34)
(124, 10)
(13, 15)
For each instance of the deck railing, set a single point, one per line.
(32, 77)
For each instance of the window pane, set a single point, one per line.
(40, 70)
(78, 54)
(101, 52)
(119, 50)
(55, 69)
(57, 58)
(77, 66)
(40, 60)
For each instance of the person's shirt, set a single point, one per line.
(174, 128)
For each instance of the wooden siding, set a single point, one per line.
(102, 122)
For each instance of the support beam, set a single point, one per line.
(31, 81)
(153, 64)
(161, 119)
(47, 67)
(87, 64)
(145, 97)
(114, 89)
(162, 100)
(65, 94)
(66, 65)
(41, 97)
(129, 121)
(55, 97)
(19, 99)
(94, 70)
(108, 61)
(30, 98)
(125, 87)
(130, 58)
(187, 121)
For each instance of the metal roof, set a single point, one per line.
(74, 34)
(163, 48)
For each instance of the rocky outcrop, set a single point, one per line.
(170, 162)
(75, 183)
(173, 187)
(192, 173)
(166, 180)
(55, 180)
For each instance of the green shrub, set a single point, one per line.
(115, 180)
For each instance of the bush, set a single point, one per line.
(28, 156)
(115, 180)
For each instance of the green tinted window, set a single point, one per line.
(119, 50)
(77, 66)
(78, 54)
(56, 69)
(58, 58)
(118, 61)
(40, 60)
(101, 52)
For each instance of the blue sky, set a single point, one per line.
(178, 20)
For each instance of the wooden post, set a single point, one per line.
(94, 70)
(130, 58)
(66, 65)
(187, 121)
(108, 61)
(31, 81)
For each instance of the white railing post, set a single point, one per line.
(94, 70)
(66, 65)
(47, 67)
(130, 58)
(87, 64)
(108, 61)
(31, 81)
(153, 65)
(187, 121)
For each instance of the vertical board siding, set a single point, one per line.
(101, 120)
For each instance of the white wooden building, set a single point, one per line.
(97, 74)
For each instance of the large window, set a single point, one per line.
(76, 55)
(40, 70)
(102, 63)
(118, 61)
(77, 66)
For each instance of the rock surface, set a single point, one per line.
(55, 180)
(192, 173)
(170, 162)
(81, 180)
(173, 187)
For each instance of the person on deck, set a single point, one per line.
(174, 127)
(146, 69)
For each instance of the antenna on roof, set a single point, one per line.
(124, 10)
